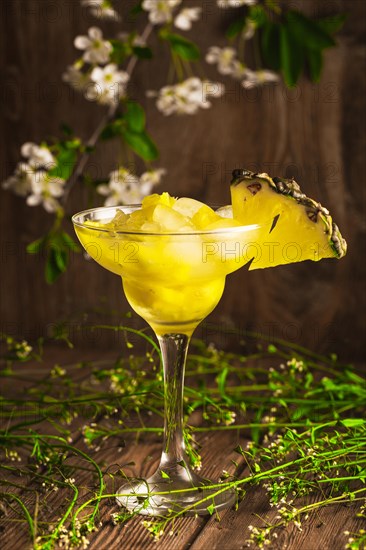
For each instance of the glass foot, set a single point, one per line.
(159, 496)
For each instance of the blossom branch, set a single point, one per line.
(92, 141)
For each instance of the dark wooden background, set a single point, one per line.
(314, 132)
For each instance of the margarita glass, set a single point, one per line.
(173, 280)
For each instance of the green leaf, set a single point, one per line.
(164, 475)
(353, 422)
(113, 129)
(300, 412)
(70, 144)
(258, 15)
(355, 378)
(315, 63)
(308, 32)
(65, 159)
(36, 246)
(270, 42)
(186, 49)
(61, 259)
(69, 242)
(142, 52)
(211, 509)
(292, 56)
(333, 23)
(120, 50)
(235, 28)
(52, 270)
(141, 144)
(221, 380)
(135, 116)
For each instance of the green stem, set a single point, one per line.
(24, 509)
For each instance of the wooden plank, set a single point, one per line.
(14, 533)
(323, 530)
(217, 453)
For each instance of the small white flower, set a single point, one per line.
(187, 97)
(38, 156)
(45, 190)
(70, 480)
(102, 9)
(123, 188)
(185, 17)
(25, 179)
(224, 57)
(76, 78)
(150, 179)
(96, 49)
(235, 3)
(160, 11)
(258, 78)
(109, 84)
(21, 181)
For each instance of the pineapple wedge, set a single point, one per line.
(299, 228)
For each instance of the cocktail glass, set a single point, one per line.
(173, 280)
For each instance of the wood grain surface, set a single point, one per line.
(314, 132)
(138, 457)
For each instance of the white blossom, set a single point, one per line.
(45, 189)
(185, 17)
(160, 11)
(96, 49)
(150, 179)
(187, 97)
(224, 57)
(109, 84)
(76, 78)
(258, 78)
(123, 188)
(21, 181)
(37, 156)
(31, 179)
(102, 9)
(235, 3)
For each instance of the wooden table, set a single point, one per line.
(323, 530)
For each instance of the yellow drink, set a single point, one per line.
(173, 280)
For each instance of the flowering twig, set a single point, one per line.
(92, 141)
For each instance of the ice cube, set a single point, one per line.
(187, 207)
(171, 220)
(225, 211)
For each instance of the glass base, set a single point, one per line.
(158, 496)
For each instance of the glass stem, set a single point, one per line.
(174, 352)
